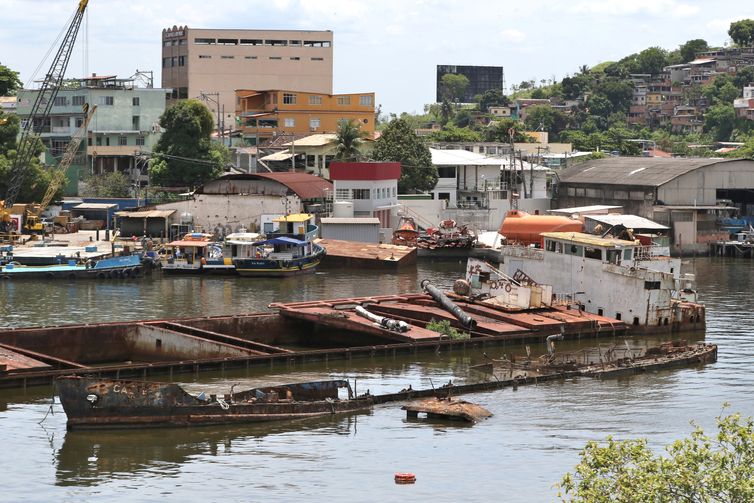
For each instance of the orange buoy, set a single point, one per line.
(405, 478)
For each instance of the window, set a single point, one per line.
(361, 194)
(593, 253)
(77, 100)
(316, 43)
(181, 60)
(289, 99)
(205, 56)
(318, 59)
(275, 57)
(276, 43)
(204, 41)
(135, 101)
(628, 254)
(313, 124)
(295, 58)
(250, 57)
(574, 250)
(135, 123)
(344, 100)
(107, 100)
(166, 62)
(182, 93)
(227, 41)
(620, 194)
(122, 141)
(289, 122)
(107, 141)
(60, 101)
(174, 61)
(183, 41)
(79, 121)
(342, 194)
(140, 141)
(99, 141)
(294, 43)
(549, 245)
(315, 100)
(365, 101)
(636, 195)
(251, 41)
(227, 57)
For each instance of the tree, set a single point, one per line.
(719, 120)
(115, 184)
(188, 126)
(453, 87)
(9, 81)
(696, 468)
(452, 133)
(600, 106)
(545, 118)
(398, 143)
(349, 139)
(492, 98)
(500, 130)
(744, 76)
(742, 32)
(618, 92)
(652, 60)
(689, 49)
(9, 125)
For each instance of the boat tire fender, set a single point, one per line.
(126, 273)
(5, 276)
(101, 275)
(71, 275)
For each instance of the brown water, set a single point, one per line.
(533, 438)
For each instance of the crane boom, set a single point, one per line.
(41, 107)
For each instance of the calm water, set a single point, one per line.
(533, 438)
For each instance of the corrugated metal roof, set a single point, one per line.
(584, 209)
(145, 214)
(640, 171)
(94, 206)
(628, 221)
(294, 217)
(352, 221)
(304, 185)
(315, 140)
(278, 156)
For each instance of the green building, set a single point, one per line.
(125, 125)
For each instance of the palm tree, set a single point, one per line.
(350, 137)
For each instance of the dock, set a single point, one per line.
(366, 255)
(82, 245)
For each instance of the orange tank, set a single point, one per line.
(521, 227)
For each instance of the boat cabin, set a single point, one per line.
(607, 250)
(190, 253)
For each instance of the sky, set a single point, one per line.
(390, 47)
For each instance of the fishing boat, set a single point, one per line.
(197, 253)
(288, 251)
(127, 266)
(93, 403)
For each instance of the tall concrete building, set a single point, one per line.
(481, 79)
(214, 63)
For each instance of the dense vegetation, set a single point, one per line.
(595, 104)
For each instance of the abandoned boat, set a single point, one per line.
(94, 403)
(126, 266)
(287, 251)
(446, 240)
(196, 253)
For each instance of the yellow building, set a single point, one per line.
(262, 114)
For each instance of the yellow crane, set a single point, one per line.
(33, 220)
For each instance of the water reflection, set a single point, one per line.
(89, 458)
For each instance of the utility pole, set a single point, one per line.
(207, 97)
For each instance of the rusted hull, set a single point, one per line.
(696, 355)
(91, 403)
(448, 409)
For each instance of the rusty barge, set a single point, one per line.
(291, 333)
(92, 403)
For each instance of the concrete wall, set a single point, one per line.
(211, 211)
(700, 186)
(363, 233)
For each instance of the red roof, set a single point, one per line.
(365, 170)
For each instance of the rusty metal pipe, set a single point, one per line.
(447, 304)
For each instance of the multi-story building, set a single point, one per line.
(264, 114)
(481, 79)
(125, 124)
(214, 63)
(744, 107)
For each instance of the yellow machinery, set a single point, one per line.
(33, 221)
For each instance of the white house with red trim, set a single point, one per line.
(372, 187)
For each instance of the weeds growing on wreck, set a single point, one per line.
(443, 327)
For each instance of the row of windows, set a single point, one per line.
(256, 42)
(62, 101)
(168, 62)
(613, 256)
(122, 141)
(181, 41)
(292, 99)
(634, 195)
(361, 194)
(290, 122)
(174, 61)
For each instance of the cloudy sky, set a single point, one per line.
(390, 47)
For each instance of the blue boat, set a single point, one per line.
(127, 266)
(288, 251)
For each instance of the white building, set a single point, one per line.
(371, 188)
